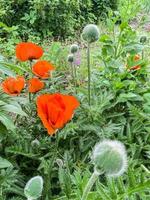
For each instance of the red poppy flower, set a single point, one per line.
(137, 67)
(136, 57)
(13, 86)
(35, 85)
(55, 110)
(42, 69)
(28, 51)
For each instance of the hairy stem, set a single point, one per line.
(75, 78)
(47, 190)
(89, 185)
(89, 74)
(73, 75)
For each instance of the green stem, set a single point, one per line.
(89, 185)
(47, 191)
(146, 170)
(73, 75)
(75, 78)
(143, 54)
(89, 74)
(117, 46)
(1, 193)
(30, 97)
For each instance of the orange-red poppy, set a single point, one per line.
(55, 110)
(42, 68)
(28, 51)
(13, 86)
(35, 85)
(137, 67)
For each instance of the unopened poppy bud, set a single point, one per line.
(35, 143)
(143, 39)
(110, 157)
(74, 48)
(33, 188)
(70, 58)
(90, 33)
(59, 162)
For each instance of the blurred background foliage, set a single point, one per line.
(45, 18)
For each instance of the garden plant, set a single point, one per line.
(74, 100)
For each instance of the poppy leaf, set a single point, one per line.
(7, 121)
(14, 109)
(6, 71)
(4, 163)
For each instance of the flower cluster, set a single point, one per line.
(28, 51)
(54, 110)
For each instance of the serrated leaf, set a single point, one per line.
(129, 97)
(4, 163)
(7, 121)
(14, 109)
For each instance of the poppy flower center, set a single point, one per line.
(55, 111)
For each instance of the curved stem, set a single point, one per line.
(89, 74)
(89, 185)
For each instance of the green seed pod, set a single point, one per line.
(110, 157)
(74, 48)
(143, 39)
(70, 58)
(33, 188)
(90, 33)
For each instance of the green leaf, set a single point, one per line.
(6, 70)
(4, 163)
(7, 121)
(129, 97)
(14, 108)
(146, 97)
(13, 67)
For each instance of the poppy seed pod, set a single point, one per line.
(90, 33)
(143, 39)
(74, 48)
(110, 157)
(70, 58)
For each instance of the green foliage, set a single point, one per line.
(46, 18)
(100, 7)
(120, 109)
(7, 106)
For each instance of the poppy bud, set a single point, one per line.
(90, 33)
(35, 143)
(33, 188)
(59, 162)
(70, 58)
(74, 48)
(143, 39)
(110, 157)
